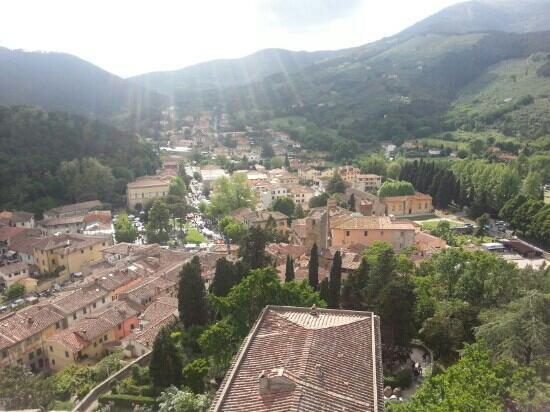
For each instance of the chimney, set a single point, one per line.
(319, 371)
(274, 381)
(313, 310)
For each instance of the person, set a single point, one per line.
(397, 394)
(420, 370)
(387, 393)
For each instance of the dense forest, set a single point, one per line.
(48, 159)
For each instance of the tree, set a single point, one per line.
(521, 329)
(229, 194)
(476, 146)
(335, 281)
(351, 202)
(192, 304)
(193, 375)
(397, 302)
(225, 277)
(165, 364)
(313, 267)
(289, 270)
(397, 188)
(21, 389)
(173, 399)
(267, 151)
(232, 229)
(158, 226)
(252, 248)
(299, 212)
(177, 187)
(482, 223)
(319, 200)
(284, 204)
(124, 229)
(532, 185)
(336, 184)
(15, 291)
(324, 290)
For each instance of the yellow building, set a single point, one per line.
(349, 173)
(23, 335)
(147, 188)
(71, 251)
(408, 205)
(365, 230)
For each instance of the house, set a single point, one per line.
(7, 235)
(367, 182)
(13, 273)
(365, 230)
(76, 304)
(251, 218)
(301, 359)
(428, 244)
(271, 191)
(71, 210)
(349, 173)
(23, 335)
(17, 219)
(408, 205)
(22, 245)
(148, 289)
(92, 337)
(66, 224)
(314, 228)
(158, 314)
(146, 189)
(283, 177)
(301, 195)
(301, 269)
(69, 252)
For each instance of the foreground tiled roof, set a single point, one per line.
(327, 360)
(73, 208)
(354, 221)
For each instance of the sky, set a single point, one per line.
(130, 37)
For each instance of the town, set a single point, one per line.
(85, 283)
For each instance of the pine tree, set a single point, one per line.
(224, 277)
(313, 267)
(289, 271)
(324, 290)
(192, 304)
(335, 281)
(165, 365)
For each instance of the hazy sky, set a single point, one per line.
(129, 37)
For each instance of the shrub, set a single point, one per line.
(403, 379)
(127, 402)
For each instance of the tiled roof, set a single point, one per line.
(18, 326)
(23, 243)
(354, 221)
(9, 232)
(150, 181)
(57, 221)
(68, 243)
(328, 360)
(416, 196)
(14, 267)
(73, 208)
(74, 300)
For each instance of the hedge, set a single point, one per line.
(402, 379)
(127, 401)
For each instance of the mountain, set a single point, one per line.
(219, 74)
(515, 16)
(58, 81)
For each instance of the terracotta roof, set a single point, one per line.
(65, 220)
(68, 243)
(16, 216)
(313, 361)
(74, 300)
(24, 244)
(353, 221)
(416, 196)
(14, 267)
(9, 232)
(150, 181)
(18, 326)
(73, 207)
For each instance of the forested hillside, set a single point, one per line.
(48, 159)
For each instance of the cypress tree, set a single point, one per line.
(352, 202)
(224, 277)
(313, 267)
(165, 365)
(335, 281)
(324, 290)
(289, 271)
(192, 304)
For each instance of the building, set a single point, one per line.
(17, 219)
(251, 218)
(13, 273)
(365, 230)
(408, 205)
(72, 210)
(365, 203)
(22, 245)
(77, 304)
(367, 182)
(160, 313)
(428, 244)
(146, 189)
(349, 173)
(70, 251)
(23, 335)
(314, 228)
(66, 224)
(300, 359)
(271, 191)
(92, 337)
(301, 195)
(209, 174)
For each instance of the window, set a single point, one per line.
(74, 316)
(91, 248)
(84, 310)
(102, 300)
(40, 363)
(51, 349)
(103, 243)
(347, 232)
(365, 233)
(53, 361)
(93, 305)
(119, 327)
(105, 338)
(31, 355)
(66, 354)
(82, 251)
(95, 344)
(38, 352)
(4, 354)
(57, 325)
